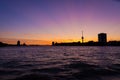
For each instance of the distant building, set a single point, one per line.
(24, 44)
(53, 43)
(102, 38)
(18, 43)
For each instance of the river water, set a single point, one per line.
(60, 63)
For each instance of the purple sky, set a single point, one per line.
(59, 20)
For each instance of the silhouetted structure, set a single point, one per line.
(67, 44)
(18, 43)
(114, 43)
(53, 43)
(24, 44)
(3, 44)
(102, 39)
(82, 37)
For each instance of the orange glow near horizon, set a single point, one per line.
(48, 42)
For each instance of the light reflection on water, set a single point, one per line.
(47, 59)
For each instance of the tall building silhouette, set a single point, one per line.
(102, 38)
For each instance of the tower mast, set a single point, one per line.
(82, 37)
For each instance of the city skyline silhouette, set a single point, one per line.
(59, 39)
(41, 22)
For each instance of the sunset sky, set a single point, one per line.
(44, 21)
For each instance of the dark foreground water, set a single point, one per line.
(60, 63)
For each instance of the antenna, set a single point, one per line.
(82, 37)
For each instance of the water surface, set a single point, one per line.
(60, 63)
